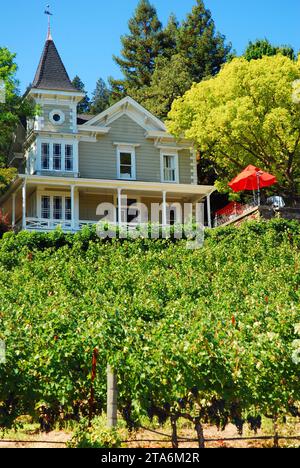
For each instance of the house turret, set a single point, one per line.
(53, 145)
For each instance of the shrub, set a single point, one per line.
(96, 436)
(4, 224)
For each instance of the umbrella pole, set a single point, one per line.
(258, 189)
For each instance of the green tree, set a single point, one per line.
(198, 41)
(143, 44)
(262, 47)
(170, 80)
(171, 36)
(84, 105)
(100, 98)
(248, 114)
(13, 109)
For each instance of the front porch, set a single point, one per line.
(37, 203)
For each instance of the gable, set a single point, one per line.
(131, 109)
(125, 130)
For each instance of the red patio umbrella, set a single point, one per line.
(252, 178)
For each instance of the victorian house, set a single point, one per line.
(70, 163)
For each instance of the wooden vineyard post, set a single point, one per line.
(174, 432)
(93, 377)
(276, 435)
(112, 398)
(200, 434)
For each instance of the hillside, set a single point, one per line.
(187, 330)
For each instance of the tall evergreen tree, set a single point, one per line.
(262, 47)
(84, 106)
(198, 41)
(143, 44)
(171, 36)
(100, 97)
(170, 80)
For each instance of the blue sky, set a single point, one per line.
(87, 33)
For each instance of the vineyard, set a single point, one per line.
(208, 335)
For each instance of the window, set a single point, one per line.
(68, 158)
(126, 162)
(57, 117)
(57, 208)
(45, 156)
(68, 209)
(46, 208)
(57, 157)
(126, 169)
(169, 168)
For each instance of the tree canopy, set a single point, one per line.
(247, 114)
(170, 80)
(150, 51)
(13, 108)
(262, 47)
(100, 98)
(203, 47)
(141, 46)
(84, 105)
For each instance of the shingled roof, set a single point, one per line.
(51, 73)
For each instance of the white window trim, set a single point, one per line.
(126, 149)
(60, 113)
(63, 144)
(169, 153)
(52, 195)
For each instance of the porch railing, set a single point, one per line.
(37, 224)
(231, 217)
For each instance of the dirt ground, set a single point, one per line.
(141, 438)
(209, 433)
(40, 441)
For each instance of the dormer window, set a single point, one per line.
(57, 117)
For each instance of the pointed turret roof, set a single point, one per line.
(51, 73)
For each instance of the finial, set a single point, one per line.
(49, 14)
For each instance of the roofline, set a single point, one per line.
(76, 96)
(188, 189)
(127, 100)
(16, 183)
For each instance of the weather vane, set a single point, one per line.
(49, 14)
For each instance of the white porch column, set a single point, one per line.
(120, 207)
(24, 205)
(13, 211)
(209, 211)
(164, 214)
(73, 206)
(200, 213)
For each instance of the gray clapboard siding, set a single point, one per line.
(185, 167)
(99, 160)
(88, 204)
(66, 127)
